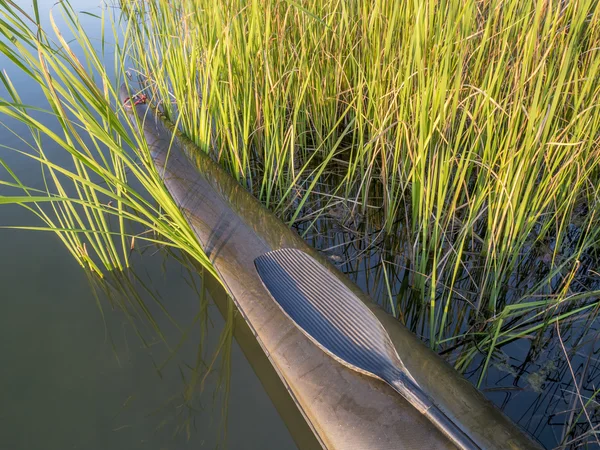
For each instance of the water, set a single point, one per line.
(89, 371)
(71, 381)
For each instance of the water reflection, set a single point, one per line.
(148, 361)
(166, 339)
(205, 390)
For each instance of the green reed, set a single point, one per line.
(474, 128)
(102, 193)
(471, 128)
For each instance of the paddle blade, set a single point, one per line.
(327, 311)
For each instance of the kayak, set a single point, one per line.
(343, 405)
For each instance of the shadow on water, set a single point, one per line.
(204, 394)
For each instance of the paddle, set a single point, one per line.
(338, 322)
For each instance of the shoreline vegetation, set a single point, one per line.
(451, 148)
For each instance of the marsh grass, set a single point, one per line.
(444, 153)
(472, 127)
(101, 193)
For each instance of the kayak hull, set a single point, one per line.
(344, 408)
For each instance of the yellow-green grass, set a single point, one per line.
(102, 194)
(471, 127)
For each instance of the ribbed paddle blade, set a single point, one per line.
(329, 313)
(333, 317)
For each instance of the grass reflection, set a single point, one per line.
(191, 346)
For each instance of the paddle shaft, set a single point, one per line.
(416, 397)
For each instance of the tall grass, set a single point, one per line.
(101, 193)
(473, 127)
(466, 134)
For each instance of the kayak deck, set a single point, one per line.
(344, 408)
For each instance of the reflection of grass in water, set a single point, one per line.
(141, 305)
(569, 299)
(537, 379)
(460, 138)
(555, 388)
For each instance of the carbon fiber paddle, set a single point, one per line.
(338, 322)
